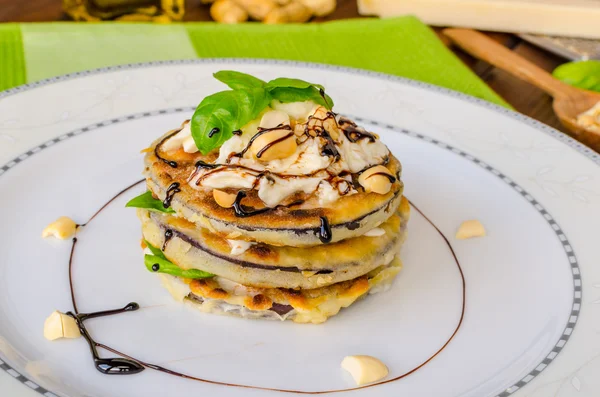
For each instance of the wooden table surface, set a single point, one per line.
(524, 97)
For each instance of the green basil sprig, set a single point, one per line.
(582, 74)
(158, 263)
(145, 200)
(218, 115)
(238, 80)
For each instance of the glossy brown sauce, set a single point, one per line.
(168, 236)
(325, 234)
(315, 127)
(108, 366)
(171, 163)
(214, 131)
(172, 190)
(273, 143)
(243, 211)
(260, 132)
(391, 178)
(127, 365)
(353, 132)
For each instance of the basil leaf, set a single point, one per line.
(582, 74)
(226, 111)
(157, 264)
(289, 94)
(283, 82)
(238, 80)
(255, 100)
(155, 250)
(145, 200)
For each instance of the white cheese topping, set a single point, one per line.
(273, 190)
(296, 110)
(362, 154)
(183, 139)
(241, 179)
(238, 247)
(309, 169)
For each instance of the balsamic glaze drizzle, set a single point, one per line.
(171, 163)
(259, 133)
(353, 132)
(214, 131)
(329, 148)
(325, 234)
(236, 132)
(202, 164)
(168, 236)
(108, 366)
(273, 143)
(128, 365)
(171, 191)
(391, 178)
(199, 166)
(243, 211)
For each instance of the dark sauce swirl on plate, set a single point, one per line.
(128, 365)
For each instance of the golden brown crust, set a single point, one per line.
(318, 266)
(347, 209)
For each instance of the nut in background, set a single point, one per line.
(161, 11)
(269, 11)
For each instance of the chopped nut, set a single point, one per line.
(469, 229)
(62, 228)
(320, 8)
(224, 199)
(257, 9)
(328, 122)
(365, 369)
(228, 11)
(292, 12)
(273, 145)
(274, 118)
(59, 325)
(377, 179)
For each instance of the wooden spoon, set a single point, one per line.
(569, 102)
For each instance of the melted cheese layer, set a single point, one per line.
(221, 296)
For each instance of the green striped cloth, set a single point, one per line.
(400, 46)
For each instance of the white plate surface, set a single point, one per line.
(531, 322)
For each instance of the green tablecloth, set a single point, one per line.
(400, 46)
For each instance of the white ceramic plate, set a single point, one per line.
(532, 286)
